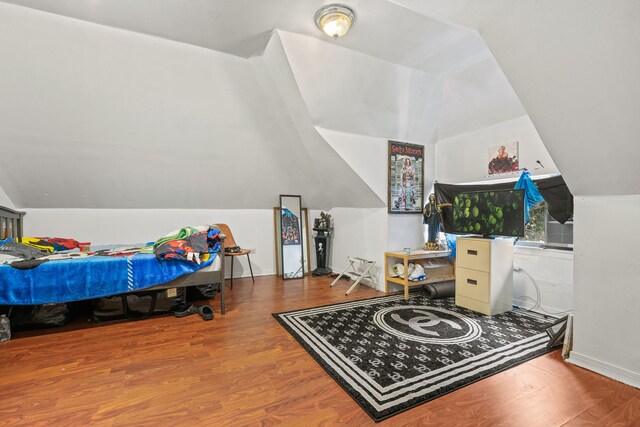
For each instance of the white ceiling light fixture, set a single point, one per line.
(335, 20)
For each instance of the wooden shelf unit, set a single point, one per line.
(434, 274)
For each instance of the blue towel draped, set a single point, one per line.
(532, 195)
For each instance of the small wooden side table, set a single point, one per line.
(434, 274)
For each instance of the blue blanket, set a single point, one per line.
(89, 277)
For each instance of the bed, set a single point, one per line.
(90, 277)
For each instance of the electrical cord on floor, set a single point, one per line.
(538, 300)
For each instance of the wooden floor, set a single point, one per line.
(244, 369)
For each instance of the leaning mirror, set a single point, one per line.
(291, 241)
(277, 244)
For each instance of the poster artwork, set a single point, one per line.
(406, 178)
(290, 228)
(503, 158)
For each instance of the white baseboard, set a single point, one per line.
(606, 369)
(227, 275)
(525, 303)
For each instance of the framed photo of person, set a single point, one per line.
(503, 158)
(405, 193)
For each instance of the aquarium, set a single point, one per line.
(489, 213)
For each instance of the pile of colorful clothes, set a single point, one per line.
(193, 244)
(43, 244)
(29, 252)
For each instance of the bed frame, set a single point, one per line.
(11, 222)
(199, 278)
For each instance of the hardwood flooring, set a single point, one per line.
(244, 369)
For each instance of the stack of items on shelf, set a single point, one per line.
(415, 272)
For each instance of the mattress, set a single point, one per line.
(91, 277)
(215, 266)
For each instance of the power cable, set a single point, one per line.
(538, 299)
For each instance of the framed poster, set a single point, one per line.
(503, 158)
(405, 193)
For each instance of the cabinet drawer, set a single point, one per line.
(474, 254)
(472, 284)
(474, 305)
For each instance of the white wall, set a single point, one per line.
(251, 228)
(551, 270)
(359, 233)
(607, 291)
(465, 157)
(368, 233)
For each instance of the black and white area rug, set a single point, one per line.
(391, 355)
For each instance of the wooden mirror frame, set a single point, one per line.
(305, 240)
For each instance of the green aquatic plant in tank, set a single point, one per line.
(498, 213)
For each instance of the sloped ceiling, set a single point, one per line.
(5, 200)
(574, 66)
(476, 98)
(571, 64)
(95, 117)
(367, 96)
(243, 27)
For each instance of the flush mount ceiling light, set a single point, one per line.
(335, 20)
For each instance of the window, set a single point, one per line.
(543, 231)
(534, 231)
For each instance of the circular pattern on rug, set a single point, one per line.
(429, 325)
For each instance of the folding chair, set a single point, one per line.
(354, 262)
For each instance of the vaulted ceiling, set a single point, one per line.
(243, 27)
(219, 99)
(574, 66)
(144, 103)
